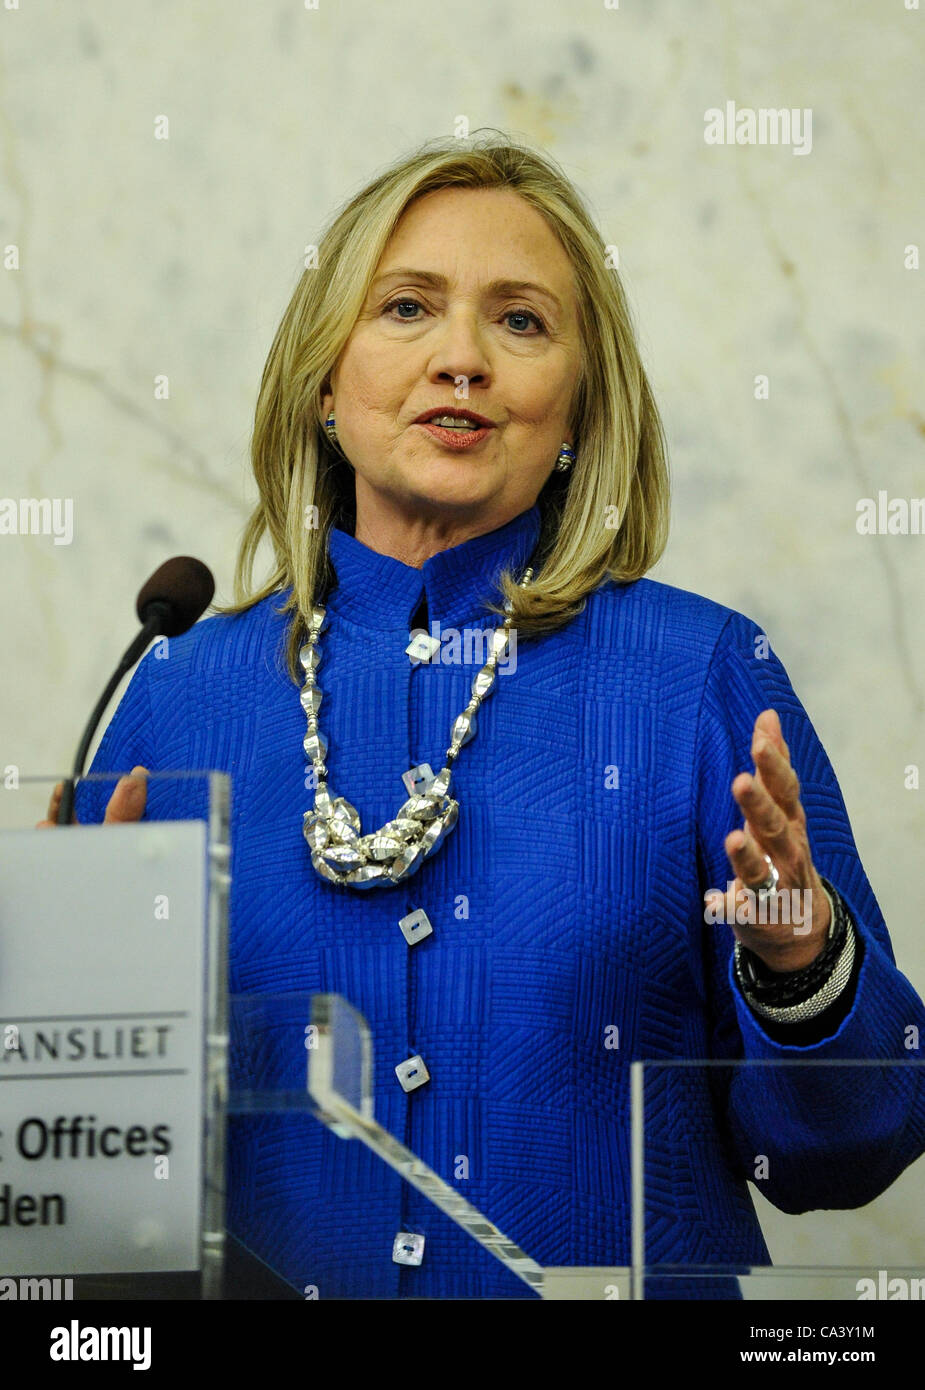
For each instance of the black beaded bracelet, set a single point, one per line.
(779, 989)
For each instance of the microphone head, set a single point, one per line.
(185, 585)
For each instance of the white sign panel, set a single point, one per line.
(102, 959)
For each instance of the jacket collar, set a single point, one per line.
(378, 591)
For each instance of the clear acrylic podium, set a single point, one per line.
(338, 1067)
(313, 1055)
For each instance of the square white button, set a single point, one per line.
(412, 1073)
(415, 926)
(422, 646)
(408, 1248)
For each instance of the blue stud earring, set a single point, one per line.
(565, 459)
(329, 427)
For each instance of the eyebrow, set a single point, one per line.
(439, 282)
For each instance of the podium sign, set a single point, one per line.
(106, 1027)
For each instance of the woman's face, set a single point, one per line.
(472, 307)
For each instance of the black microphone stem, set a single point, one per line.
(150, 629)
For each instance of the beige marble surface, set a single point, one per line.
(139, 256)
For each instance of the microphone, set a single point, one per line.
(168, 604)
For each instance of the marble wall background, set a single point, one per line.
(139, 256)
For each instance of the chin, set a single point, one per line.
(460, 484)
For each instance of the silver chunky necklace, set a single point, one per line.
(341, 853)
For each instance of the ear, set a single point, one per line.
(327, 399)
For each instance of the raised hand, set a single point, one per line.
(775, 825)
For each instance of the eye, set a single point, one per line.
(400, 302)
(526, 314)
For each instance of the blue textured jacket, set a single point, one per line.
(594, 802)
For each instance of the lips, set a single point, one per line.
(465, 417)
(469, 433)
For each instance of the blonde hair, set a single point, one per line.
(606, 518)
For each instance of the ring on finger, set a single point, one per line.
(768, 885)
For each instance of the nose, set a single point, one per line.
(459, 351)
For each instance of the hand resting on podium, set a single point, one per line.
(126, 804)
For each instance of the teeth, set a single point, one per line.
(453, 422)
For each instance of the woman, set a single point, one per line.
(454, 431)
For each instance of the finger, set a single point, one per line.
(55, 801)
(51, 815)
(768, 722)
(766, 732)
(127, 802)
(777, 776)
(767, 822)
(748, 862)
